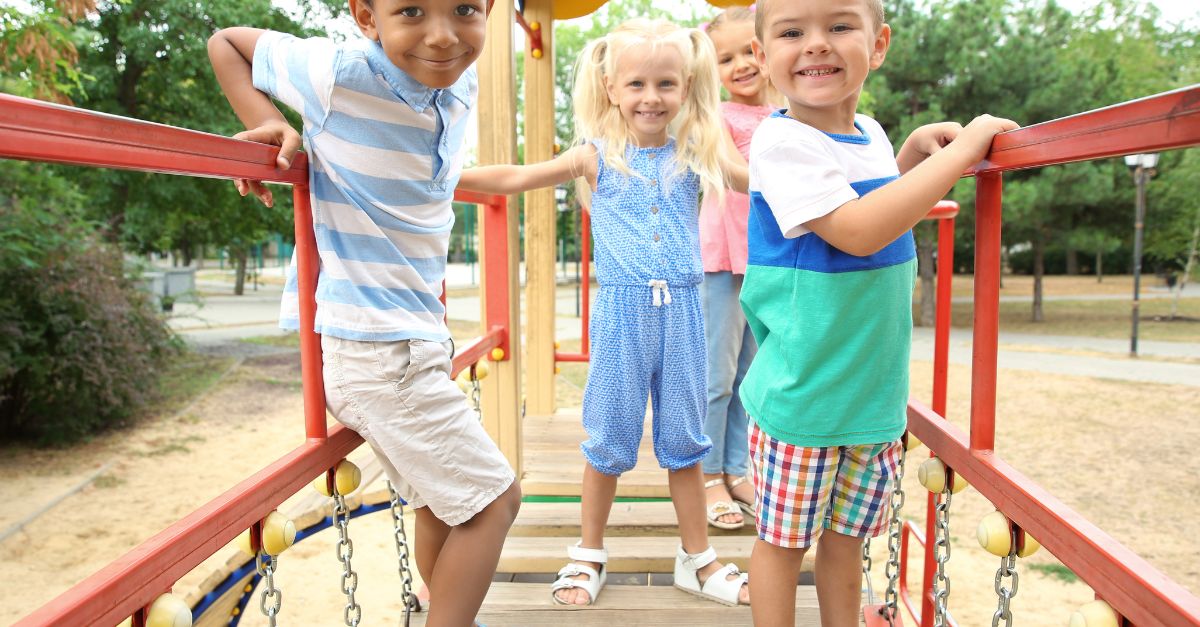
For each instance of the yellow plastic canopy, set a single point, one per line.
(567, 9)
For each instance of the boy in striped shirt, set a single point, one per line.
(828, 294)
(384, 120)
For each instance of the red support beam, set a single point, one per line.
(41, 131)
(136, 578)
(1137, 590)
(987, 312)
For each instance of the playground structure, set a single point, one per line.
(1129, 590)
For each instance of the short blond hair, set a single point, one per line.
(760, 15)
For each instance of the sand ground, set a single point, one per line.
(1121, 454)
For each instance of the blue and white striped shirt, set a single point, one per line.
(385, 155)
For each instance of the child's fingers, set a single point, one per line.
(240, 185)
(287, 150)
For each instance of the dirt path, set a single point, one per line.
(1121, 454)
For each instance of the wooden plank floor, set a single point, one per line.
(554, 463)
(529, 605)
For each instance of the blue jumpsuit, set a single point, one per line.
(647, 325)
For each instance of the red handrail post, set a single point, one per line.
(495, 253)
(987, 310)
(942, 317)
(307, 268)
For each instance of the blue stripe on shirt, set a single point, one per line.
(379, 134)
(370, 249)
(381, 298)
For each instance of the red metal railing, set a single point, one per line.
(1134, 588)
(39, 131)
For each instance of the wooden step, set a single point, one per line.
(530, 605)
(553, 463)
(625, 554)
(626, 519)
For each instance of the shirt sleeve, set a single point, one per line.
(801, 180)
(297, 72)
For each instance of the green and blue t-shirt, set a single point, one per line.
(833, 330)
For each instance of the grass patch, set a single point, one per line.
(1094, 318)
(187, 377)
(1055, 571)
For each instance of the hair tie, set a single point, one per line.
(704, 27)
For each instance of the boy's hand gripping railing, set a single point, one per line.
(38, 131)
(1134, 588)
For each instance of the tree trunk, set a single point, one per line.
(925, 269)
(1039, 269)
(239, 282)
(1187, 269)
(1072, 262)
(1099, 266)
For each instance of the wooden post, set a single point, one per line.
(540, 215)
(498, 144)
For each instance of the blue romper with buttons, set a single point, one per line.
(647, 326)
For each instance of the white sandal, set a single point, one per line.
(717, 587)
(746, 507)
(722, 508)
(592, 584)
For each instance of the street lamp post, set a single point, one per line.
(1142, 167)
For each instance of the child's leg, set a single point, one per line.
(773, 588)
(463, 569)
(839, 579)
(596, 501)
(687, 494)
(737, 450)
(431, 534)
(722, 337)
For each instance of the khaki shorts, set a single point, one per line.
(399, 397)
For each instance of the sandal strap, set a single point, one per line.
(572, 570)
(721, 508)
(718, 585)
(696, 561)
(583, 554)
(712, 483)
(735, 483)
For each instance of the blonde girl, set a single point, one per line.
(730, 344)
(646, 109)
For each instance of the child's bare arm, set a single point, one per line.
(866, 225)
(231, 52)
(514, 179)
(737, 173)
(925, 141)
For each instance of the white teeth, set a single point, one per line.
(822, 72)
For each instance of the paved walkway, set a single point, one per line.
(221, 318)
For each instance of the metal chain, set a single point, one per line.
(895, 528)
(272, 597)
(345, 550)
(1008, 568)
(474, 396)
(941, 554)
(410, 600)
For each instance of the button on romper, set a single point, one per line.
(647, 325)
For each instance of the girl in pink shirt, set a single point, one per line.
(730, 344)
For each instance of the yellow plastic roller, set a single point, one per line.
(169, 610)
(463, 384)
(279, 532)
(497, 354)
(1095, 614)
(346, 475)
(481, 370)
(995, 536)
(911, 442)
(932, 474)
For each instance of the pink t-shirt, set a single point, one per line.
(723, 229)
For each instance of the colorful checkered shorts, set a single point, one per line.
(802, 491)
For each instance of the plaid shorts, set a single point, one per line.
(802, 491)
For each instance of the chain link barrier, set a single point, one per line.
(345, 550)
(272, 597)
(410, 600)
(941, 554)
(1005, 594)
(895, 528)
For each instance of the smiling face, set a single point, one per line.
(649, 89)
(739, 70)
(433, 41)
(818, 53)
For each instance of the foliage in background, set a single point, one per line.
(80, 345)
